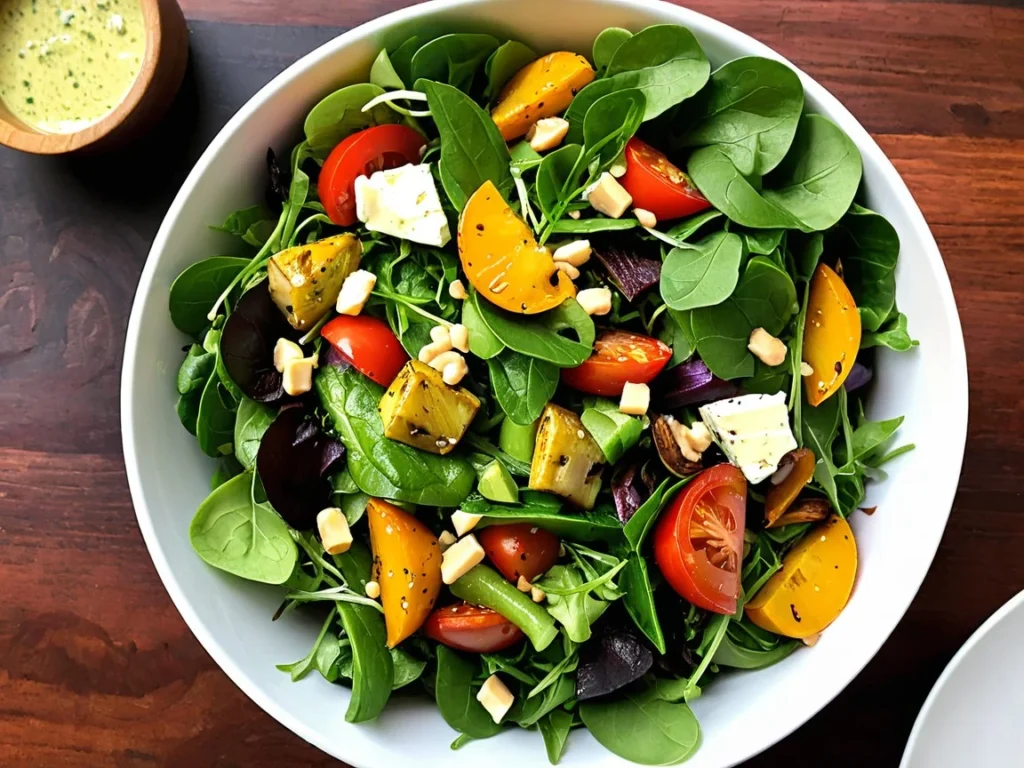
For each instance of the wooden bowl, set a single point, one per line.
(163, 67)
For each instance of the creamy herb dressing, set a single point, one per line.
(66, 65)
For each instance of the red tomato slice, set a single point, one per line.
(368, 343)
(361, 154)
(470, 628)
(519, 549)
(698, 543)
(619, 356)
(658, 186)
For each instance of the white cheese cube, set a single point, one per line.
(297, 378)
(607, 196)
(464, 522)
(635, 399)
(355, 291)
(753, 432)
(496, 698)
(403, 202)
(334, 531)
(446, 539)
(460, 557)
(285, 351)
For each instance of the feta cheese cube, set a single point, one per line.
(753, 432)
(464, 522)
(334, 531)
(403, 202)
(608, 196)
(460, 558)
(496, 698)
(635, 399)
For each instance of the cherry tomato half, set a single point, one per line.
(470, 628)
(698, 544)
(368, 343)
(361, 154)
(619, 356)
(519, 549)
(657, 185)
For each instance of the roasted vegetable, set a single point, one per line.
(800, 467)
(831, 335)
(502, 259)
(566, 459)
(543, 88)
(420, 410)
(406, 565)
(495, 483)
(813, 586)
(669, 450)
(305, 280)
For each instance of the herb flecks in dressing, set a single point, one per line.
(66, 64)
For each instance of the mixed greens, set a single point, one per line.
(558, 470)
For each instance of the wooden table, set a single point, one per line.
(96, 666)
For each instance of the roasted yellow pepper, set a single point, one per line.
(779, 497)
(813, 585)
(406, 565)
(831, 335)
(503, 260)
(543, 88)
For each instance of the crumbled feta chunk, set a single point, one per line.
(753, 432)
(403, 202)
(636, 398)
(496, 698)
(608, 196)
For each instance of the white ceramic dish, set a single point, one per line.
(741, 714)
(973, 714)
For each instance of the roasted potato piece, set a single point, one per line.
(566, 459)
(305, 280)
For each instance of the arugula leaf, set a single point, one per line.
(453, 59)
(640, 524)
(540, 336)
(578, 609)
(638, 599)
(587, 226)
(554, 728)
(522, 385)
(299, 669)
(702, 275)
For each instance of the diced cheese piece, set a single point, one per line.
(547, 133)
(607, 196)
(496, 698)
(355, 291)
(753, 432)
(403, 202)
(285, 351)
(635, 399)
(446, 539)
(334, 531)
(460, 557)
(595, 301)
(297, 376)
(464, 522)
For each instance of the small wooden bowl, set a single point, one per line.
(163, 67)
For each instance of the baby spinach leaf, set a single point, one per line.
(522, 385)
(383, 74)
(557, 176)
(452, 59)
(731, 654)
(703, 275)
(868, 247)
(642, 727)
(482, 342)
(550, 513)
(893, 335)
(373, 671)
(456, 699)
(408, 669)
(195, 370)
(638, 598)
(869, 436)
(226, 468)
(715, 175)
(606, 44)
(251, 421)
(507, 59)
(750, 109)
(197, 289)
(664, 61)
(401, 59)
(640, 524)
(610, 122)
(541, 335)
(677, 332)
(472, 149)
(554, 728)
(816, 181)
(341, 114)
(820, 425)
(684, 229)
(215, 420)
(762, 242)
(382, 467)
(232, 532)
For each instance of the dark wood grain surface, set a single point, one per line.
(96, 666)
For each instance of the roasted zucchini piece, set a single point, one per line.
(420, 410)
(305, 280)
(566, 459)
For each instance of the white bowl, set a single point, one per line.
(740, 714)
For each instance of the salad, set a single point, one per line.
(541, 381)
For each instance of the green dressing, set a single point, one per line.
(66, 65)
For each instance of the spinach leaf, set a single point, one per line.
(536, 707)
(383, 74)
(408, 669)
(299, 669)
(227, 467)
(522, 385)
(382, 467)
(554, 728)
(640, 524)
(556, 173)
(341, 114)
(540, 335)
(456, 699)
(820, 425)
(868, 246)
(373, 671)
(638, 599)
(893, 335)
(401, 59)
(550, 513)
(252, 224)
(215, 423)
(750, 109)
(677, 332)
(610, 122)
(765, 297)
(816, 181)
(452, 59)
(234, 533)
(684, 229)
(195, 370)
(762, 242)
(664, 61)
(731, 654)
(197, 289)
(482, 342)
(606, 44)
(702, 275)
(642, 727)
(507, 59)
(251, 421)
(715, 175)
(472, 149)
(868, 437)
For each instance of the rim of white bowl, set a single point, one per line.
(358, 751)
